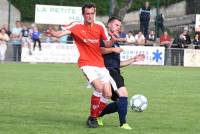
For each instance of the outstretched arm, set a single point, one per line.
(59, 33)
(139, 57)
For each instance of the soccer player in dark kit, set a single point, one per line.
(112, 62)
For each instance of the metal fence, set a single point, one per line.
(173, 56)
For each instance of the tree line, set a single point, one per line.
(27, 7)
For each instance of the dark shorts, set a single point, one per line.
(119, 80)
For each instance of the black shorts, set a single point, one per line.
(119, 80)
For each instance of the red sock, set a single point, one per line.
(94, 109)
(102, 105)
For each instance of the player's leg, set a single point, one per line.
(122, 104)
(96, 98)
(93, 78)
(95, 103)
(112, 107)
(107, 93)
(120, 97)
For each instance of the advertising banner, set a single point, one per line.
(61, 15)
(191, 58)
(51, 53)
(68, 53)
(197, 23)
(153, 55)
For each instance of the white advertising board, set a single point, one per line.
(61, 15)
(51, 53)
(197, 23)
(191, 58)
(68, 53)
(153, 55)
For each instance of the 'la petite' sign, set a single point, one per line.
(48, 14)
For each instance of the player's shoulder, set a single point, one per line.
(99, 23)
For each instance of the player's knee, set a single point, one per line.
(107, 95)
(123, 92)
(98, 86)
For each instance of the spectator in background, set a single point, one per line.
(7, 30)
(139, 38)
(196, 41)
(4, 38)
(16, 40)
(182, 42)
(122, 36)
(26, 38)
(165, 40)
(36, 38)
(70, 39)
(183, 39)
(187, 35)
(151, 36)
(130, 38)
(159, 23)
(144, 14)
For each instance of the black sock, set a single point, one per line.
(110, 108)
(122, 104)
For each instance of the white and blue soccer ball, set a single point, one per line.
(138, 103)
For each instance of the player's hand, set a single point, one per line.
(139, 57)
(50, 32)
(117, 50)
(114, 39)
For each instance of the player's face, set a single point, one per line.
(115, 26)
(89, 15)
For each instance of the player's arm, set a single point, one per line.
(139, 57)
(121, 39)
(105, 50)
(59, 34)
(108, 50)
(108, 43)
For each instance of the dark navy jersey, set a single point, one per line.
(111, 60)
(144, 14)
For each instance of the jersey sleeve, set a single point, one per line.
(104, 33)
(71, 26)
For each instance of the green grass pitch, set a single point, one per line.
(53, 99)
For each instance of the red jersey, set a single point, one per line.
(164, 38)
(87, 39)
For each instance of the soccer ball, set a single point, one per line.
(138, 103)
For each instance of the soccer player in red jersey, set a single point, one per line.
(87, 36)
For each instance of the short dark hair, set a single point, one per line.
(130, 31)
(113, 18)
(88, 5)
